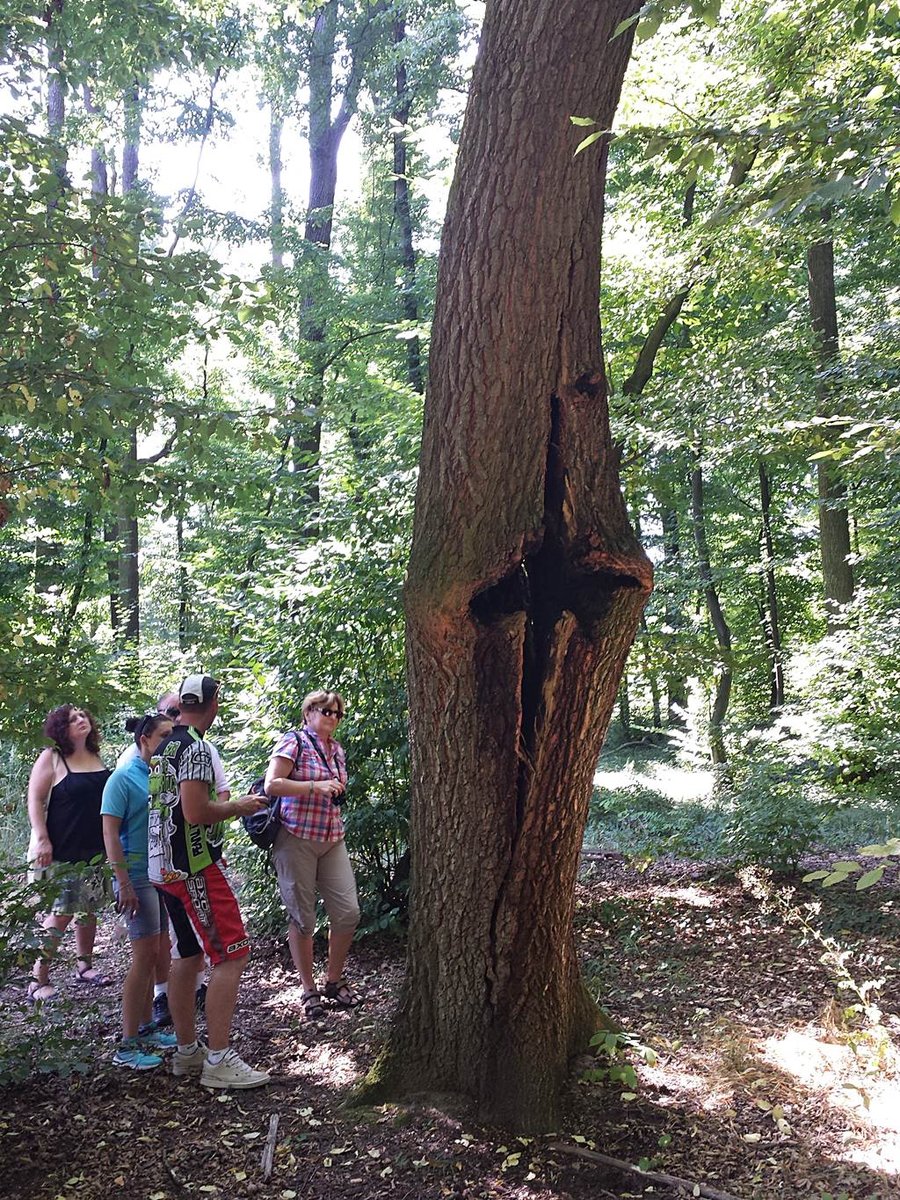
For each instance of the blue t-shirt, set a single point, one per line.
(127, 795)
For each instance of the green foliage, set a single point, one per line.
(33, 1038)
(644, 823)
(614, 1050)
(774, 817)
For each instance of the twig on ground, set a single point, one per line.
(673, 1181)
(268, 1154)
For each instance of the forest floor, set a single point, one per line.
(761, 1086)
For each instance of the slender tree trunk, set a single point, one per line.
(111, 538)
(716, 616)
(402, 212)
(834, 523)
(99, 173)
(325, 134)
(129, 539)
(624, 706)
(183, 596)
(525, 582)
(276, 128)
(771, 620)
(56, 90)
(676, 683)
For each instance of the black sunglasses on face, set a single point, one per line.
(330, 712)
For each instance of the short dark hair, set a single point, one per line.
(56, 728)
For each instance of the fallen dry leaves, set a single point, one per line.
(759, 1085)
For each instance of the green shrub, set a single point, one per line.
(775, 817)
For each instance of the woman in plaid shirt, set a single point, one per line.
(309, 772)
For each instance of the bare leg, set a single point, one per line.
(301, 945)
(182, 978)
(136, 989)
(338, 947)
(163, 957)
(220, 999)
(55, 925)
(85, 932)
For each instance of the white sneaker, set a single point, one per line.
(189, 1064)
(232, 1072)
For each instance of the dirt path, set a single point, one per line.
(758, 1084)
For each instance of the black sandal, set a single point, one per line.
(339, 993)
(313, 1008)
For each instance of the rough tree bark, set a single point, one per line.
(834, 520)
(525, 584)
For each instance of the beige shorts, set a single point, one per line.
(304, 867)
(82, 891)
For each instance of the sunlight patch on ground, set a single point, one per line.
(832, 1069)
(328, 1065)
(678, 784)
(675, 1082)
(694, 896)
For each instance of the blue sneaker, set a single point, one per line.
(149, 1035)
(129, 1055)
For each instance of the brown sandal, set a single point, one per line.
(313, 1008)
(339, 993)
(89, 975)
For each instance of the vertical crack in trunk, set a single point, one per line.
(547, 583)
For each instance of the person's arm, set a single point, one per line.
(112, 840)
(198, 809)
(279, 783)
(39, 784)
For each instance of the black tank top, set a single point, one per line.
(73, 815)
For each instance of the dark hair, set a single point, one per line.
(146, 725)
(56, 728)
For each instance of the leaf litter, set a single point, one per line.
(765, 1076)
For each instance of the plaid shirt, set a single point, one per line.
(317, 820)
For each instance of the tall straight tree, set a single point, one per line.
(834, 518)
(525, 583)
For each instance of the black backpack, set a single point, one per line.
(262, 827)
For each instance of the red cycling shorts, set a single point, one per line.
(205, 916)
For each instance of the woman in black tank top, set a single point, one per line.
(64, 795)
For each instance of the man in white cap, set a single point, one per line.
(186, 828)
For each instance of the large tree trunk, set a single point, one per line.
(834, 522)
(525, 583)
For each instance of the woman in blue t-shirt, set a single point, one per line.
(125, 813)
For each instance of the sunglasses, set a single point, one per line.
(330, 712)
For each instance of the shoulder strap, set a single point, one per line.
(299, 747)
(64, 763)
